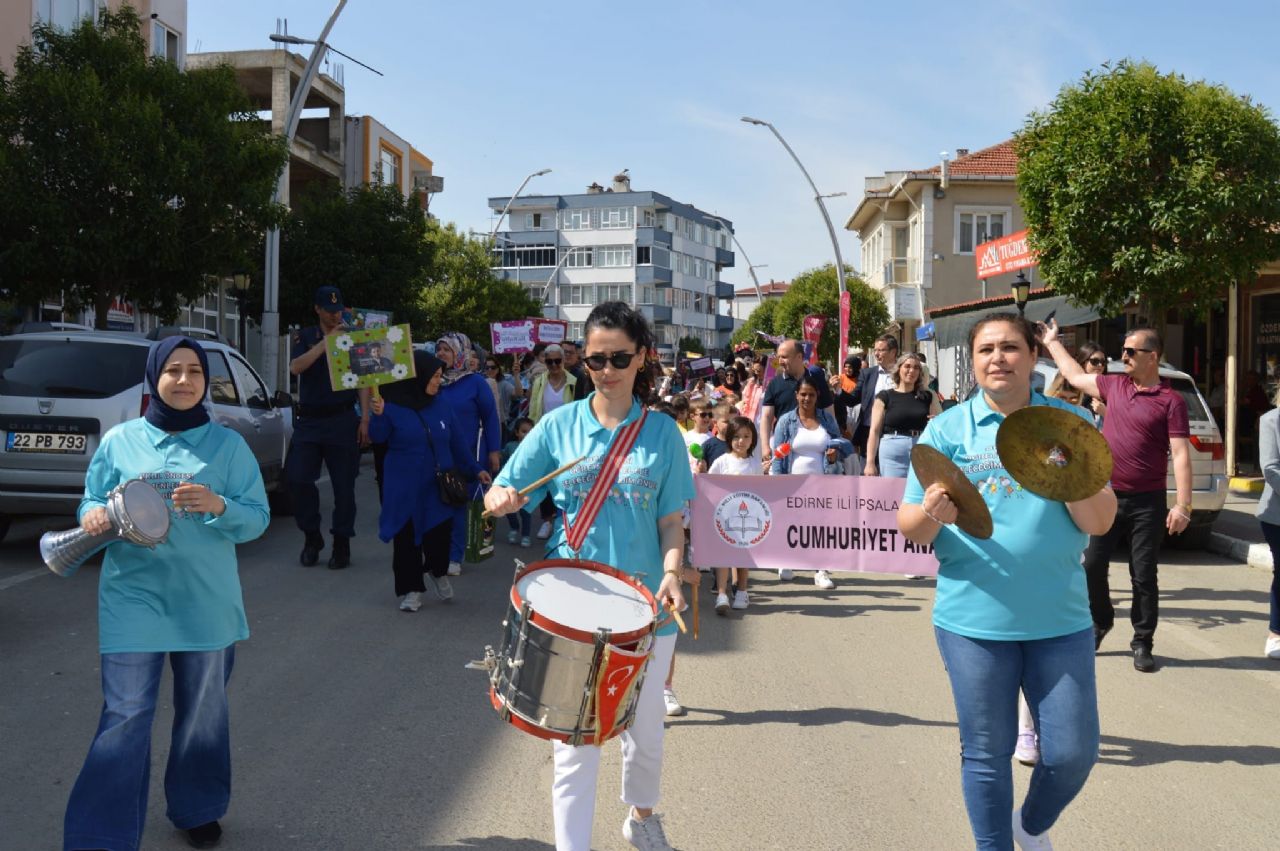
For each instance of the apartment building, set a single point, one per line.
(375, 154)
(641, 247)
(747, 299)
(164, 23)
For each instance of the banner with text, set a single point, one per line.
(804, 523)
(813, 325)
(522, 335)
(1006, 254)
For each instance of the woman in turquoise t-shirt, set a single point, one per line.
(1011, 612)
(181, 600)
(638, 530)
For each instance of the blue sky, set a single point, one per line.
(493, 91)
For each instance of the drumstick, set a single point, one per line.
(525, 491)
(679, 620)
(695, 608)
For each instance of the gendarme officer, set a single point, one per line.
(325, 429)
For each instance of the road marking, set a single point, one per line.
(23, 577)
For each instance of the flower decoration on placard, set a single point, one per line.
(394, 334)
(350, 381)
(344, 342)
(399, 371)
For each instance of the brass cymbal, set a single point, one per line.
(1054, 453)
(932, 466)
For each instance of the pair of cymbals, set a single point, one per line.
(1049, 451)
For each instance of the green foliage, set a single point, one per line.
(690, 344)
(1137, 184)
(461, 292)
(370, 242)
(817, 291)
(121, 176)
(761, 319)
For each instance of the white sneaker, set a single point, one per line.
(786, 574)
(673, 705)
(823, 580)
(411, 602)
(740, 600)
(722, 604)
(915, 576)
(647, 834)
(513, 536)
(544, 531)
(443, 587)
(455, 568)
(1272, 650)
(526, 542)
(1028, 750)
(1026, 841)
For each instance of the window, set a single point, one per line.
(533, 221)
(575, 330)
(535, 291)
(65, 14)
(644, 255)
(646, 295)
(518, 256)
(164, 43)
(976, 225)
(661, 257)
(579, 258)
(669, 222)
(613, 292)
(647, 218)
(613, 256)
(575, 220)
(575, 294)
(688, 229)
(388, 167)
(616, 218)
(222, 389)
(256, 395)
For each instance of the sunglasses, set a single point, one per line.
(491, 366)
(553, 361)
(704, 415)
(1130, 351)
(1098, 361)
(618, 360)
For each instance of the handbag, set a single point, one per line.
(450, 483)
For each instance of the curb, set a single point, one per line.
(1245, 552)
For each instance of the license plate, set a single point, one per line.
(38, 441)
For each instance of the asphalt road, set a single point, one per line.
(817, 720)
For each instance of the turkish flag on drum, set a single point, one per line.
(813, 325)
(615, 687)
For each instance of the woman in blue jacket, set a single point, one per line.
(422, 436)
(180, 600)
(469, 397)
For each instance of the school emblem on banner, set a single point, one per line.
(743, 519)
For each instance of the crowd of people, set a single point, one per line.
(1017, 617)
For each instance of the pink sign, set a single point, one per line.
(804, 523)
(522, 335)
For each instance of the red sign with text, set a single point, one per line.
(1006, 254)
(813, 325)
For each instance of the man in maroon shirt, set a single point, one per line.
(1146, 422)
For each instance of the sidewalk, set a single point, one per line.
(1237, 535)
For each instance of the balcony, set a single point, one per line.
(654, 275)
(724, 290)
(724, 258)
(724, 323)
(656, 313)
(653, 236)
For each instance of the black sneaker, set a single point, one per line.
(341, 556)
(205, 835)
(311, 549)
(1143, 660)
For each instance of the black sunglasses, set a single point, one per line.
(553, 361)
(618, 360)
(1130, 351)
(1098, 361)
(704, 414)
(491, 366)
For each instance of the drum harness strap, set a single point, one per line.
(623, 441)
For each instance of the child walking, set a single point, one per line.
(741, 460)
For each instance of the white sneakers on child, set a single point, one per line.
(673, 705)
(823, 580)
(740, 600)
(722, 604)
(786, 574)
(1272, 650)
(1028, 750)
(544, 531)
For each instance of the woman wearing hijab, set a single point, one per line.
(468, 395)
(181, 599)
(422, 437)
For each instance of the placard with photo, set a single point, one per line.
(369, 358)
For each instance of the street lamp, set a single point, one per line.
(240, 283)
(826, 217)
(513, 198)
(1021, 292)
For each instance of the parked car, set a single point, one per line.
(1208, 452)
(60, 391)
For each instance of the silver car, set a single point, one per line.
(60, 391)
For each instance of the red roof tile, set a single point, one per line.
(996, 160)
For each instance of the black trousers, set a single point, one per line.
(409, 561)
(1140, 519)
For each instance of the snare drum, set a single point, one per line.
(577, 639)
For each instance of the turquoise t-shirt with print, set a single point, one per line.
(1025, 582)
(184, 594)
(654, 481)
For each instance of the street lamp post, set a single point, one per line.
(513, 198)
(826, 217)
(271, 276)
(1021, 292)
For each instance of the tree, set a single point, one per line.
(1141, 185)
(460, 291)
(690, 344)
(817, 291)
(122, 176)
(370, 242)
(761, 319)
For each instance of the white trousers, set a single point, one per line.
(573, 788)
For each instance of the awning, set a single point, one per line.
(953, 330)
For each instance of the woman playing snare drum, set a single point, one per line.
(1011, 612)
(638, 530)
(181, 600)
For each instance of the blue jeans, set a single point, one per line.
(108, 806)
(1057, 677)
(1271, 532)
(520, 521)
